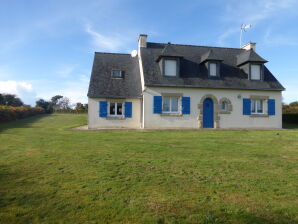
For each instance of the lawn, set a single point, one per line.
(53, 174)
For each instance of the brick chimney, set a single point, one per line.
(249, 45)
(143, 40)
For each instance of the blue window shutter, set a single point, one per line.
(271, 107)
(186, 105)
(103, 108)
(128, 109)
(157, 104)
(246, 106)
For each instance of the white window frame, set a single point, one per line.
(116, 107)
(226, 106)
(164, 67)
(213, 63)
(260, 66)
(254, 102)
(117, 77)
(170, 111)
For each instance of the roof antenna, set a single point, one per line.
(243, 27)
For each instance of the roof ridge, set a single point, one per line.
(192, 45)
(98, 52)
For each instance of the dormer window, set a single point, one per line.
(170, 67)
(213, 69)
(255, 72)
(117, 74)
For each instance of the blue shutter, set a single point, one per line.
(246, 106)
(103, 108)
(128, 109)
(271, 107)
(186, 105)
(157, 104)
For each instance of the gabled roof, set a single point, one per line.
(103, 85)
(210, 56)
(249, 56)
(194, 74)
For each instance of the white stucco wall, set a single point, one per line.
(233, 120)
(94, 121)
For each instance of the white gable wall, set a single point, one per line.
(235, 119)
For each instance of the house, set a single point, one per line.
(183, 86)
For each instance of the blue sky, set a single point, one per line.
(47, 47)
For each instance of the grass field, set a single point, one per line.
(50, 173)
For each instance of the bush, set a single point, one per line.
(290, 114)
(71, 111)
(288, 109)
(290, 118)
(9, 113)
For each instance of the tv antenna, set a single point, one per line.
(243, 28)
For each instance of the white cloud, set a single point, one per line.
(111, 43)
(22, 89)
(66, 70)
(278, 38)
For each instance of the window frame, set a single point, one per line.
(116, 108)
(255, 105)
(117, 77)
(216, 69)
(261, 71)
(226, 109)
(179, 106)
(164, 66)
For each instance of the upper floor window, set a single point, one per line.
(212, 69)
(170, 104)
(117, 74)
(257, 106)
(255, 72)
(170, 67)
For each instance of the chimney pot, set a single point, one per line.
(249, 45)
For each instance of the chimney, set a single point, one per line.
(249, 45)
(143, 40)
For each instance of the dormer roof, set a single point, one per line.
(249, 56)
(169, 51)
(210, 56)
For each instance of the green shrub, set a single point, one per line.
(9, 113)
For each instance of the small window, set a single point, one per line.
(116, 109)
(257, 107)
(170, 104)
(117, 73)
(224, 106)
(212, 69)
(170, 67)
(255, 72)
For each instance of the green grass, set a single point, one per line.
(50, 173)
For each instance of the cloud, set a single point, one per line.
(278, 38)
(22, 89)
(112, 43)
(66, 70)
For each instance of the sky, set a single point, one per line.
(47, 47)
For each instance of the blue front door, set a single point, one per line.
(208, 120)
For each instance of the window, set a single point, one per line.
(224, 106)
(170, 104)
(117, 74)
(255, 72)
(212, 69)
(170, 67)
(116, 109)
(257, 106)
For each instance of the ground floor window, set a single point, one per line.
(257, 106)
(170, 104)
(115, 109)
(224, 106)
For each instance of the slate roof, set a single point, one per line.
(103, 85)
(194, 74)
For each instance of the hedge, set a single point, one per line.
(9, 113)
(71, 111)
(290, 118)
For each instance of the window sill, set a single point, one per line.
(115, 118)
(225, 112)
(259, 115)
(171, 114)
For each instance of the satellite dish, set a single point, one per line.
(134, 53)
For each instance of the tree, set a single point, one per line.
(294, 104)
(63, 103)
(10, 100)
(45, 105)
(55, 99)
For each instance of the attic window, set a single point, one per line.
(117, 74)
(255, 72)
(170, 67)
(213, 69)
